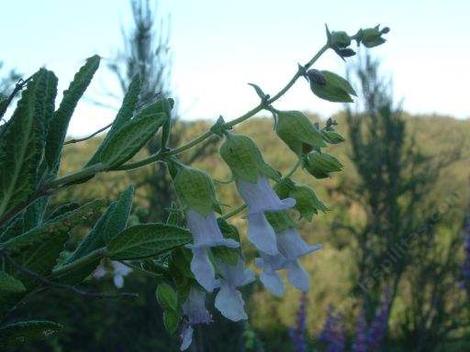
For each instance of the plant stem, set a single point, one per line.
(294, 168)
(89, 171)
(161, 155)
(234, 212)
(247, 115)
(77, 140)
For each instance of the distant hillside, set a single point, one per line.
(434, 135)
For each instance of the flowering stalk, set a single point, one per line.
(297, 333)
(332, 335)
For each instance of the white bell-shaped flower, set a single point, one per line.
(206, 234)
(260, 197)
(195, 312)
(229, 300)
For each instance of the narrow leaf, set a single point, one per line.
(22, 143)
(131, 138)
(142, 241)
(59, 122)
(109, 225)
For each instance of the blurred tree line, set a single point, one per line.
(394, 225)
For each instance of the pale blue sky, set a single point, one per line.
(219, 46)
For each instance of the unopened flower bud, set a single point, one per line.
(196, 190)
(347, 52)
(316, 77)
(331, 136)
(244, 159)
(339, 39)
(335, 89)
(298, 132)
(320, 165)
(371, 37)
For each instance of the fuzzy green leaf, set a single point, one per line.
(23, 140)
(38, 249)
(59, 122)
(142, 241)
(130, 138)
(108, 226)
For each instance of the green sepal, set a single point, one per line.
(307, 202)
(228, 255)
(371, 37)
(332, 137)
(298, 132)
(167, 297)
(339, 39)
(171, 321)
(280, 220)
(245, 159)
(320, 165)
(335, 88)
(196, 190)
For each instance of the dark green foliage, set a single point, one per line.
(23, 141)
(19, 333)
(398, 250)
(147, 240)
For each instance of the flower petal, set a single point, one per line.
(118, 281)
(261, 197)
(203, 269)
(261, 234)
(229, 302)
(292, 246)
(194, 308)
(186, 337)
(206, 231)
(297, 276)
(272, 282)
(235, 275)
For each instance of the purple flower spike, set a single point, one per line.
(297, 332)
(332, 335)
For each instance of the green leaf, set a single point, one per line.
(167, 297)
(19, 333)
(171, 320)
(108, 226)
(63, 223)
(142, 241)
(130, 138)
(117, 222)
(10, 284)
(22, 143)
(59, 122)
(128, 106)
(123, 120)
(39, 249)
